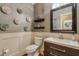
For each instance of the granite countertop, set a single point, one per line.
(64, 42)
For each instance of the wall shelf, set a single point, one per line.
(38, 27)
(39, 20)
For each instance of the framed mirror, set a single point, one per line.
(63, 18)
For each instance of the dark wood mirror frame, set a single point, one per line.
(74, 18)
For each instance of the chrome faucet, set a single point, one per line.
(61, 36)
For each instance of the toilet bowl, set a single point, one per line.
(32, 49)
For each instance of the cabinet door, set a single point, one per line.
(53, 49)
(73, 52)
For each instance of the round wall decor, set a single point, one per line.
(5, 9)
(15, 21)
(19, 11)
(28, 19)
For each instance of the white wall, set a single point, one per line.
(14, 42)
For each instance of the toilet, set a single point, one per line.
(32, 49)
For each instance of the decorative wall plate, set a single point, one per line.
(27, 19)
(19, 11)
(5, 9)
(4, 27)
(15, 21)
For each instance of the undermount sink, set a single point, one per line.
(71, 42)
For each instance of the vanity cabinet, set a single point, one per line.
(52, 49)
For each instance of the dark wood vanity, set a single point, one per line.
(52, 49)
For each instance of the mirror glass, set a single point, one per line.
(62, 17)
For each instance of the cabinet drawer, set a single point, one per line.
(47, 44)
(58, 51)
(53, 49)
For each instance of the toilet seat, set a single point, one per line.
(31, 48)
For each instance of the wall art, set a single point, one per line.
(28, 20)
(5, 9)
(19, 11)
(15, 22)
(4, 27)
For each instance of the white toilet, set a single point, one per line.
(32, 49)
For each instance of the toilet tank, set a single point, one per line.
(38, 40)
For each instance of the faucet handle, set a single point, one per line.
(61, 36)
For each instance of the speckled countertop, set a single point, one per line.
(64, 42)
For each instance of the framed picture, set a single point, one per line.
(67, 25)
